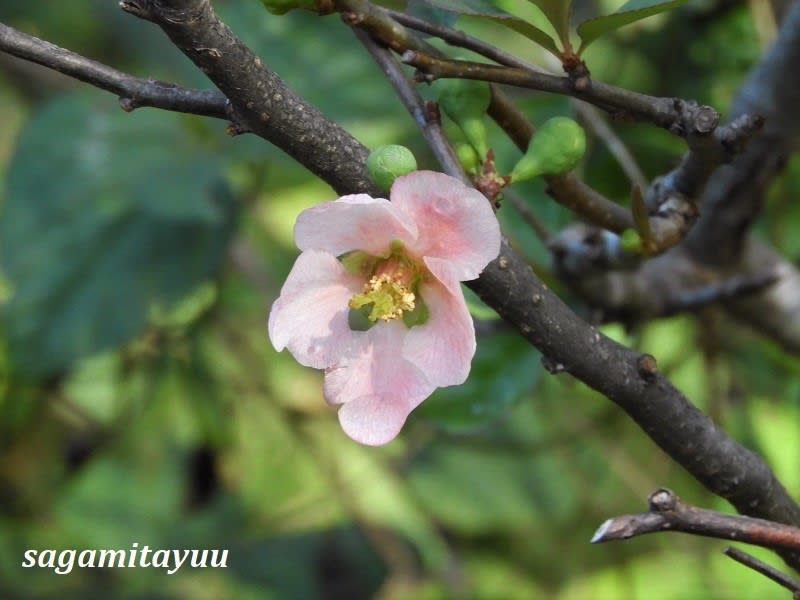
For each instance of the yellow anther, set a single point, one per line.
(389, 297)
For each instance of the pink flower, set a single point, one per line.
(374, 299)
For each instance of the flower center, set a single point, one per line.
(391, 290)
(389, 296)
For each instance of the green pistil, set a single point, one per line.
(390, 293)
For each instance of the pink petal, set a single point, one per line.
(443, 347)
(356, 222)
(372, 420)
(455, 222)
(376, 386)
(446, 273)
(310, 316)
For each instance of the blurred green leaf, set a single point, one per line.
(630, 12)
(484, 10)
(505, 368)
(369, 487)
(475, 490)
(558, 13)
(106, 213)
(418, 8)
(777, 425)
(476, 306)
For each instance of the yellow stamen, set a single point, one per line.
(389, 297)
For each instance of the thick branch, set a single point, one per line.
(775, 311)
(262, 100)
(719, 248)
(133, 92)
(735, 194)
(621, 374)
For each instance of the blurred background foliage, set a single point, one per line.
(141, 401)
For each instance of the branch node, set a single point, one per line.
(706, 120)
(137, 8)
(352, 19)
(127, 104)
(647, 367)
(663, 500)
(552, 366)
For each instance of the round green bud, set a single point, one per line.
(387, 163)
(556, 148)
(465, 101)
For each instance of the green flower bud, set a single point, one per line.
(556, 148)
(468, 158)
(280, 7)
(630, 240)
(465, 101)
(387, 163)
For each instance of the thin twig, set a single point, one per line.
(458, 38)
(585, 201)
(133, 92)
(709, 148)
(670, 513)
(528, 216)
(598, 125)
(766, 570)
(431, 127)
(567, 189)
(731, 288)
(673, 114)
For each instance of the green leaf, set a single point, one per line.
(486, 11)
(419, 9)
(630, 12)
(477, 308)
(106, 213)
(558, 13)
(475, 491)
(504, 369)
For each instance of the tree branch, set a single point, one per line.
(460, 39)
(735, 194)
(719, 247)
(262, 100)
(669, 513)
(673, 114)
(766, 570)
(430, 127)
(133, 92)
(565, 189)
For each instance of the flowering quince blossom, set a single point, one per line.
(374, 298)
